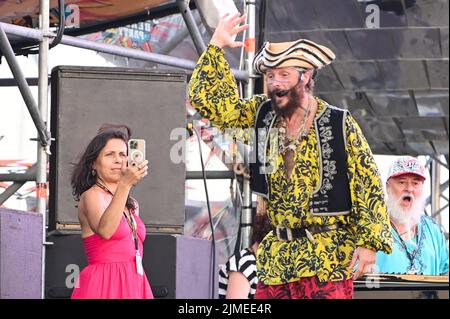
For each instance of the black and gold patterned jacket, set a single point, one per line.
(332, 196)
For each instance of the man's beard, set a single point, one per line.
(292, 104)
(408, 217)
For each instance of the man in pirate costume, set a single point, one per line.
(322, 189)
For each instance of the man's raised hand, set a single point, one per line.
(228, 27)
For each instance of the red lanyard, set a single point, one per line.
(130, 220)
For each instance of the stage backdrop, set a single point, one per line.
(151, 103)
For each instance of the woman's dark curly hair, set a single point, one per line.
(82, 176)
(261, 226)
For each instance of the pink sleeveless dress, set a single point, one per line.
(111, 272)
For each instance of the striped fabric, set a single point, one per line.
(303, 54)
(244, 262)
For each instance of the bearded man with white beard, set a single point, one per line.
(419, 246)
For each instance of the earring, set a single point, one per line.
(93, 172)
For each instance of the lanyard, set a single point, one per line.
(130, 219)
(410, 256)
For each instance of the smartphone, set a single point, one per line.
(136, 151)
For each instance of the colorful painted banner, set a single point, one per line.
(147, 36)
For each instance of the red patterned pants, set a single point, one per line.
(307, 288)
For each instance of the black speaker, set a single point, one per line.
(177, 266)
(180, 267)
(64, 259)
(151, 103)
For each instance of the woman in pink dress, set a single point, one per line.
(111, 229)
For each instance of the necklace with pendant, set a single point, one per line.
(411, 256)
(291, 143)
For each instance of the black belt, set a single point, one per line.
(288, 234)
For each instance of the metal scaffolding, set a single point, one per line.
(246, 217)
(113, 49)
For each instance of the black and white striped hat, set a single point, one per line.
(303, 54)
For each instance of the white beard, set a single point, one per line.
(407, 217)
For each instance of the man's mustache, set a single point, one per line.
(279, 93)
